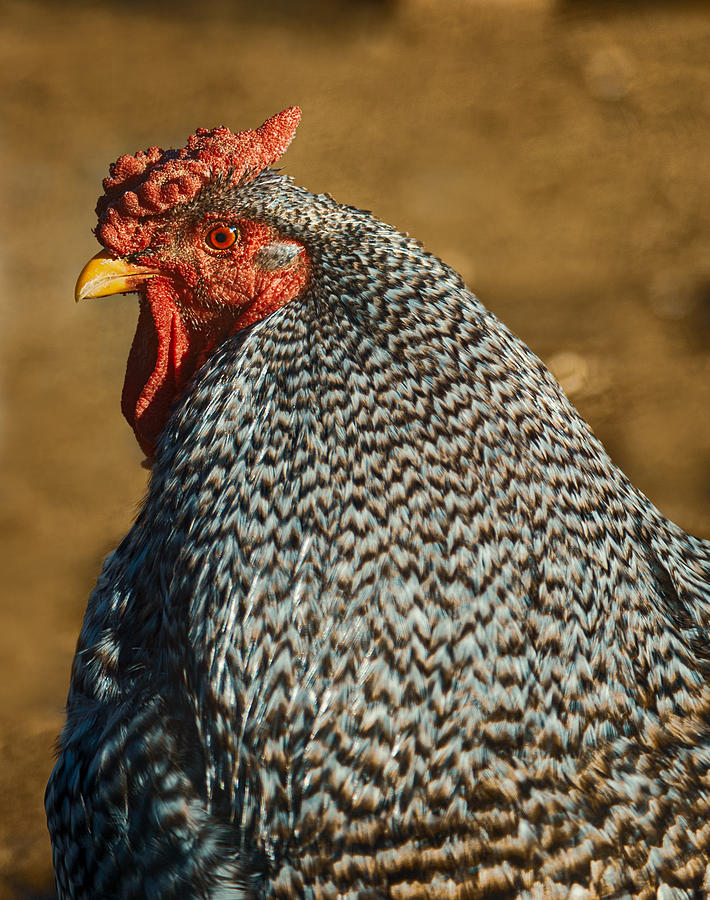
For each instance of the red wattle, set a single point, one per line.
(159, 364)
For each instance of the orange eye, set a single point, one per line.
(222, 237)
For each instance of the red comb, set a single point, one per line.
(154, 180)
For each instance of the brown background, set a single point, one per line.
(556, 153)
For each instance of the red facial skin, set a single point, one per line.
(200, 297)
(201, 294)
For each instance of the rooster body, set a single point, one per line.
(390, 622)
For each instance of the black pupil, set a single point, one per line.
(221, 236)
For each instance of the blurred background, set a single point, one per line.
(556, 153)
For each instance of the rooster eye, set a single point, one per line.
(222, 237)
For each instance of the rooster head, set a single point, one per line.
(202, 271)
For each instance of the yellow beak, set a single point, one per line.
(104, 275)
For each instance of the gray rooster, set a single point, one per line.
(390, 623)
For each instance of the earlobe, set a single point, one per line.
(278, 255)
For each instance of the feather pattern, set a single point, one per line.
(390, 622)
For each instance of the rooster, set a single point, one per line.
(390, 623)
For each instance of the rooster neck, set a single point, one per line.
(315, 467)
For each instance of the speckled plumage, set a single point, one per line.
(390, 623)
